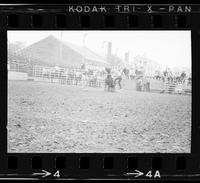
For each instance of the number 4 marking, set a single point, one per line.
(156, 175)
(149, 174)
(57, 174)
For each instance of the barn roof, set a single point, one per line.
(86, 52)
(47, 51)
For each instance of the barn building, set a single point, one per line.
(51, 52)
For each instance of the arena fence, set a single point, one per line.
(170, 87)
(69, 76)
(75, 76)
(178, 88)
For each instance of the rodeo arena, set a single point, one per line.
(66, 98)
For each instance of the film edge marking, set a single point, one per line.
(44, 173)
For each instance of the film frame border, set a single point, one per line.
(176, 166)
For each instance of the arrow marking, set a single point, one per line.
(137, 173)
(45, 173)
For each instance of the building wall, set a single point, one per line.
(12, 75)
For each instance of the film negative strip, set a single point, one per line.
(100, 91)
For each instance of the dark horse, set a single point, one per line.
(109, 83)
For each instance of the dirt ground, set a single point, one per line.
(50, 117)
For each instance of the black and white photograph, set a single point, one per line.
(99, 91)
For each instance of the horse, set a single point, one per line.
(157, 77)
(139, 72)
(48, 73)
(109, 84)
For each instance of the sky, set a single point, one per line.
(167, 48)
